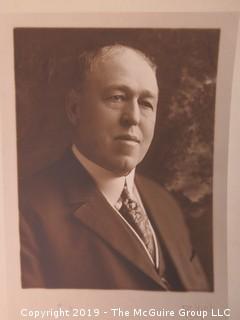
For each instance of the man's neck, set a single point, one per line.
(108, 183)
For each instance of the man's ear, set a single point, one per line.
(72, 106)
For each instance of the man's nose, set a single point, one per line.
(131, 113)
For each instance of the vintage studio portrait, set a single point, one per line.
(115, 139)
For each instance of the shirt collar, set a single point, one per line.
(108, 183)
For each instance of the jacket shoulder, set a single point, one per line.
(52, 184)
(158, 193)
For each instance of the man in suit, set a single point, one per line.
(88, 221)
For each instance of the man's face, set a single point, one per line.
(116, 114)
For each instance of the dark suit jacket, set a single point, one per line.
(72, 238)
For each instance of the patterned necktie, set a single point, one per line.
(135, 216)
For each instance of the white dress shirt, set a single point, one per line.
(111, 186)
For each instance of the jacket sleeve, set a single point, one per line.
(32, 273)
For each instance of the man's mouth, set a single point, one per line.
(128, 138)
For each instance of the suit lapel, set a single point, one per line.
(101, 218)
(90, 208)
(170, 228)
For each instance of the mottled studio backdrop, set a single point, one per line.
(181, 157)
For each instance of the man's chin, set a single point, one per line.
(123, 167)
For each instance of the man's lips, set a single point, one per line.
(128, 137)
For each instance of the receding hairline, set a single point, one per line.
(88, 59)
(111, 50)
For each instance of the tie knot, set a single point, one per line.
(125, 193)
(127, 200)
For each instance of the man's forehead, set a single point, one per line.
(117, 53)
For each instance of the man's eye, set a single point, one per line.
(146, 104)
(116, 98)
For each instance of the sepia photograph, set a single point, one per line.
(115, 132)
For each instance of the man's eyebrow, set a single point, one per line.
(149, 94)
(122, 87)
